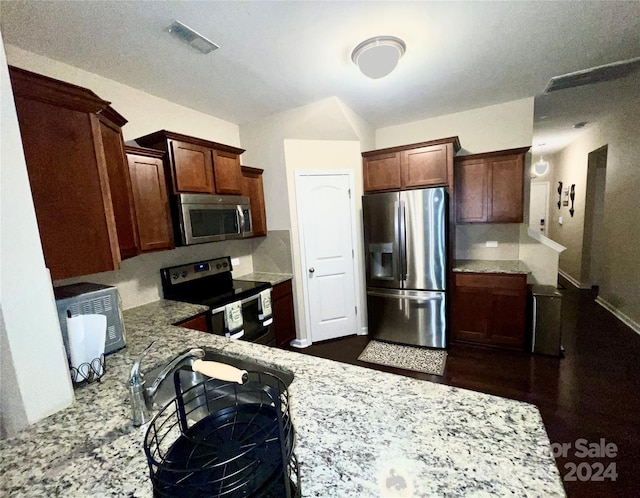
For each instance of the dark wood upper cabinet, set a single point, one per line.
(149, 191)
(119, 181)
(227, 172)
(253, 188)
(191, 167)
(382, 172)
(489, 187)
(426, 164)
(197, 165)
(72, 146)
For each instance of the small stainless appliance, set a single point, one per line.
(204, 218)
(546, 317)
(406, 261)
(210, 283)
(85, 298)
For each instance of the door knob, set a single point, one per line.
(311, 270)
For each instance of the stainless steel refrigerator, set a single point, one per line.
(405, 237)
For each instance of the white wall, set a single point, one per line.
(497, 127)
(620, 278)
(322, 155)
(146, 113)
(31, 340)
(327, 119)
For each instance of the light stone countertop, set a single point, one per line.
(511, 266)
(272, 278)
(353, 427)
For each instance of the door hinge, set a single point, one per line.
(356, 310)
(352, 254)
(349, 193)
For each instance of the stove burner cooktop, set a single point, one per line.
(208, 283)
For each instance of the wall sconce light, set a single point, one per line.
(378, 56)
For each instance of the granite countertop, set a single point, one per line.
(354, 427)
(512, 266)
(272, 278)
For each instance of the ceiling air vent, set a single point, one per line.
(193, 38)
(598, 74)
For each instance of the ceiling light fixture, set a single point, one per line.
(581, 124)
(192, 37)
(378, 56)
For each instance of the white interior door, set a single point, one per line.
(325, 218)
(539, 207)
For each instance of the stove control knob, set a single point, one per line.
(184, 273)
(218, 266)
(174, 276)
(225, 264)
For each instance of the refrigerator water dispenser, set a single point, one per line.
(381, 261)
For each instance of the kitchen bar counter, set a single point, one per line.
(511, 266)
(356, 428)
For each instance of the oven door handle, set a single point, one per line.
(244, 301)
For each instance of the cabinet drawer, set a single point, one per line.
(491, 280)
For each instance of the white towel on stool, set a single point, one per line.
(233, 320)
(265, 304)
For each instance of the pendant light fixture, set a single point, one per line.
(541, 167)
(378, 56)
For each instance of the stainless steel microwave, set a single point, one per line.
(210, 218)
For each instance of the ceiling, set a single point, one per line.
(275, 56)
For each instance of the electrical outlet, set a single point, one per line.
(492, 243)
(235, 261)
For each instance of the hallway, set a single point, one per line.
(591, 393)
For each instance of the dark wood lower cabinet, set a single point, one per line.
(198, 322)
(284, 322)
(490, 309)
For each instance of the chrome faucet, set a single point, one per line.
(142, 398)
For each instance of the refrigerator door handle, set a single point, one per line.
(402, 240)
(397, 248)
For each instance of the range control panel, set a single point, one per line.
(194, 271)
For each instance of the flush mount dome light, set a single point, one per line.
(378, 56)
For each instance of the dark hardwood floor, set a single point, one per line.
(591, 393)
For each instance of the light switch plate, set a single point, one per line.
(492, 243)
(560, 220)
(235, 261)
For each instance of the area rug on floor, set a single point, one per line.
(431, 361)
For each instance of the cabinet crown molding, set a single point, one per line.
(494, 153)
(452, 140)
(155, 138)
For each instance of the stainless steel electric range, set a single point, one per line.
(210, 283)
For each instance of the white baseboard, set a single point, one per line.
(573, 281)
(364, 331)
(635, 326)
(300, 343)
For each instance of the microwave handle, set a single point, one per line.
(240, 220)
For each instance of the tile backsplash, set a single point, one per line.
(272, 254)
